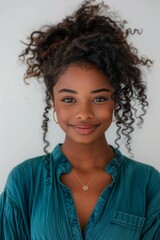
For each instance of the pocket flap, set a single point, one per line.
(128, 219)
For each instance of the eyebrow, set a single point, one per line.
(94, 91)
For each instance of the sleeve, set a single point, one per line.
(12, 224)
(151, 228)
(11, 221)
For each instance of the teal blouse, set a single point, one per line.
(128, 209)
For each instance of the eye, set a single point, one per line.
(68, 100)
(100, 99)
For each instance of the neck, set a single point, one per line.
(87, 156)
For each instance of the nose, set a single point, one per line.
(84, 112)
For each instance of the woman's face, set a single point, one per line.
(83, 104)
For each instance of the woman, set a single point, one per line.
(85, 188)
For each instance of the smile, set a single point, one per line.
(84, 129)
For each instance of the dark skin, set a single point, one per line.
(84, 108)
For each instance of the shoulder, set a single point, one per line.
(27, 168)
(32, 174)
(24, 177)
(138, 168)
(132, 168)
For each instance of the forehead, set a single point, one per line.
(78, 77)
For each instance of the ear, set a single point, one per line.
(115, 105)
(53, 105)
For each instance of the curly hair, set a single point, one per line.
(91, 36)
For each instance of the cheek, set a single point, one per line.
(63, 115)
(106, 116)
(105, 113)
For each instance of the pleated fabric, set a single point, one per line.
(127, 209)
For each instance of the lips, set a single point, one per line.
(84, 129)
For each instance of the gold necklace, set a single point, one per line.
(85, 186)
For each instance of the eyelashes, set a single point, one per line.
(68, 100)
(99, 99)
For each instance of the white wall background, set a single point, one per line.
(21, 106)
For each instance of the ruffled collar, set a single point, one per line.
(64, 166)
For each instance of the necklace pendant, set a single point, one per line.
(85, 188)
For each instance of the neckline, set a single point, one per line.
(65, 166)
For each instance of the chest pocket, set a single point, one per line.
(126, 226)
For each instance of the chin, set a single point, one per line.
(85, 140)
